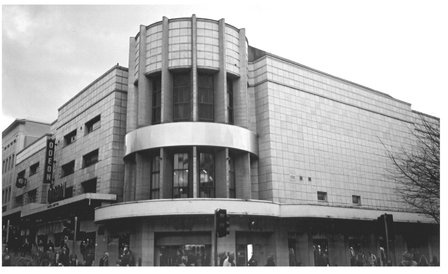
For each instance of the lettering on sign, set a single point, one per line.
(49, 157)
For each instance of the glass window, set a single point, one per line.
(155, 178)
(321, 196)
(232, 188)
(356, 199)
(93, 124)
(180, 175)
(90, 158)
(34, 169)
(70, 138)
(68, 192)
(89, 186)
(206, 175)
(230, 100)
(32, 196)
(184, 255)
(68, 168)
(320, 249)
(182, 97)
(156, 99)
(19, 200)
(205, 97)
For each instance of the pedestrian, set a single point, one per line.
(127, 258)
(325, 259)
(73, 260)
(64, 259)
(26, 247)
(50, 244)
(292, 257)
(65, 244)
(270, 261)
(104, 261)
(372, 259)
(227, 260)
(252, 261)
(45, 259)
(51, 256)
(82, 249)
(90, 253)
(232, 259)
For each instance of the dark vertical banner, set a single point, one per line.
(49, 159)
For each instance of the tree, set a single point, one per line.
(416, 170)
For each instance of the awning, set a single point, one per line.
(41, 208)
(9, 213)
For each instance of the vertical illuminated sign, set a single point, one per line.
(49, 159)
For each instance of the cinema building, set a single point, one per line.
(295, 155)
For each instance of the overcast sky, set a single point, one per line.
(50, 53)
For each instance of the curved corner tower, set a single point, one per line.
(188, 131)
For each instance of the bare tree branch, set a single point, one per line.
(416, 168)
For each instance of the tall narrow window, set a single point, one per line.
(156, 99)
(155, 178)
(32, 196)
(232, 187)
(206, 175)
(230, 100)
(182, 97)
(180, 176)
(205, 97)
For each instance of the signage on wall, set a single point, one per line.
(49, 158)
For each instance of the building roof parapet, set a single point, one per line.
(427, 115)
(185, 18)
(117, 66)
(25, 149)
(260, 54)
(17, 122)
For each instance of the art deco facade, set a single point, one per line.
(296, 156)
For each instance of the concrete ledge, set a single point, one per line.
(191, 134)
(166, 207)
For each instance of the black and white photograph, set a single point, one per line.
(223, 134)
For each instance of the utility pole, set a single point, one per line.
(215, 241)
(387, 237)
(74, 233)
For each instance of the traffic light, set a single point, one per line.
(69, 227)
(222, 222)
(386, 224)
